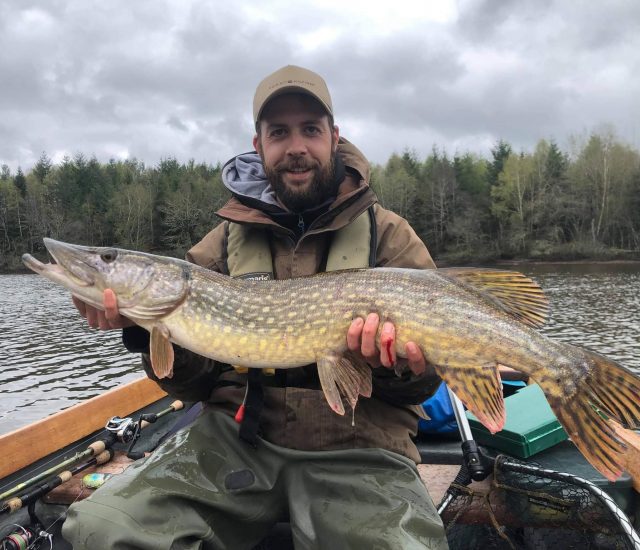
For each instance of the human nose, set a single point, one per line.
(297, 145)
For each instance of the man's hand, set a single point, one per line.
(108, 319)
(361, 338)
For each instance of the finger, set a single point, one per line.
(387, 345)
(415, 358)
(80, 306)
(369, 332)
(110, 303)
(354, 334)
(92, 316)
(103, 322)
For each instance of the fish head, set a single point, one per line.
(146, 286)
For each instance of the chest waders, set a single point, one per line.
(249, 257)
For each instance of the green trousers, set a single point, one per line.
(204, 488)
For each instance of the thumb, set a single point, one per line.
(110, 303)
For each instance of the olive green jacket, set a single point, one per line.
(295, 413)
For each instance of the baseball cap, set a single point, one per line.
(287, 80)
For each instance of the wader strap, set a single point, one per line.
(254, 401)
(249, 257)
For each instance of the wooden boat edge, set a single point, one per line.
(30, 443)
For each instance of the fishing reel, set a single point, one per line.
(26, 537)
(22, 537)
(124, 429)
(127, 430)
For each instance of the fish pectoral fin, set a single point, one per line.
(343, 375)
(161, 351)
(480, 389)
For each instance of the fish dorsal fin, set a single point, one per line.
(510, 291)
(343, 376)
(161, 351)
(480, 389)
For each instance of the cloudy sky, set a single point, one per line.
(156, 78)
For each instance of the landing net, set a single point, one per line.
(534, 508)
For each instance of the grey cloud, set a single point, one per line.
(174, 122)
(157, 79)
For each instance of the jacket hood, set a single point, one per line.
(244, 176)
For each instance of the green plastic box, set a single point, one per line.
(530, 427)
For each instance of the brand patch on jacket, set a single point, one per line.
(256, 276)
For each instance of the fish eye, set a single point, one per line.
(108, 256)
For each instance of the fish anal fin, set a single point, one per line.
(480, 389)
(346, 376)
(161, 351)
(510, 291)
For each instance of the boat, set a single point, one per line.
(488, 499)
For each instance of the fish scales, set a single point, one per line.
(466, 322)
(317, 313)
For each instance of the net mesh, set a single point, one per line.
(525, 507)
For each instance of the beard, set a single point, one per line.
(322, 187)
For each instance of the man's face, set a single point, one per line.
(297, 147)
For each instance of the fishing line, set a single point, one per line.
(62, 517)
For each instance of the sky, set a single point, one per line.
(152, 79)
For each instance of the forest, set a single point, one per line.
(545, 204)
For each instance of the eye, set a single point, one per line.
(277, 132)
(109, 256)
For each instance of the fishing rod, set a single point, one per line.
(117, 429)
(15, 503)
(94, 449)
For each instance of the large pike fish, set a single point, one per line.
(467, 323)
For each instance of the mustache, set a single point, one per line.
(296, 164)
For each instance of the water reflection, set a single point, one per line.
(50, 359)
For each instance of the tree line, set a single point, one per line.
(544, 204)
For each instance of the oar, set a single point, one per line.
(16, 503)
(118, 429)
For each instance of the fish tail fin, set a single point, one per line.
(585, 405)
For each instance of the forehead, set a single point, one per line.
(287, 106)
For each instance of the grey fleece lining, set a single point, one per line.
(244, 175)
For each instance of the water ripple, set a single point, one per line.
(49, 357)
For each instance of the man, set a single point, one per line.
(269, 447)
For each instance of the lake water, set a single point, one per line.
(50, 359)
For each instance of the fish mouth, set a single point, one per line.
(69, 263)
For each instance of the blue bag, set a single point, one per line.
(440, 410)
